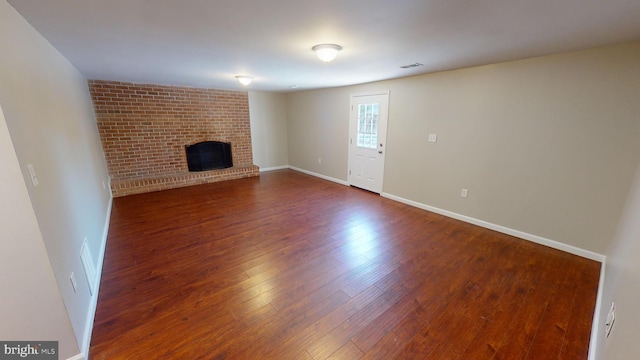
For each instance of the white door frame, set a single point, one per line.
(378, 154)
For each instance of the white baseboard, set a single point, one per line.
(499, 228)
(77, 357)
(341, 182)
(274, 168)
(86, 339)
(595, 323)
(503, 229)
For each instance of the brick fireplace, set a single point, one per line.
(144, 130)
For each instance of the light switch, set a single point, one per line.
(433, 138)
(32, 174)
(74, 283)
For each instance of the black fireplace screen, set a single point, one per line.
(209, 155)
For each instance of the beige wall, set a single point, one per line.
(318, 128)
(622, 285)
(31, 303)
(546, 146)
(268, 113)
(50, 119)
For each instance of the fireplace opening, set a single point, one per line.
(209, 155)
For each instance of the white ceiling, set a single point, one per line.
(205, 43)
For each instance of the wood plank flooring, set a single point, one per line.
(288, 266)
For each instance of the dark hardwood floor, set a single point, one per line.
(288, 266)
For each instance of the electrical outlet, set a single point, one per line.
(464, 193)
(611, 319)
(433, 138)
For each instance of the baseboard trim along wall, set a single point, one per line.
(86, 341)
(499, 228)
(341, 182)
(77, 357)
(595, 323)
(503, 229)
(274, 168)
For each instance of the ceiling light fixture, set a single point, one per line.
(244, 79)
(327, 52)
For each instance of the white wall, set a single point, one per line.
(622, 285)
(268, 112)
(31, 304)
(50, 118)
(546, 146)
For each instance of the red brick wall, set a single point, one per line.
(144, 129)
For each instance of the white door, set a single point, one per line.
(367, 140)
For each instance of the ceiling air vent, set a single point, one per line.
(411, 66)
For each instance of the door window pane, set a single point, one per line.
(368, 125)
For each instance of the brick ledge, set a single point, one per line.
(131, 186)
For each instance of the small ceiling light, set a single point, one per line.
(244, 79)
(327, 52)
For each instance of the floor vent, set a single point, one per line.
(411, 66)
(87, 264)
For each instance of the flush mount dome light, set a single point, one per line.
(244, 79)
(327, 52)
